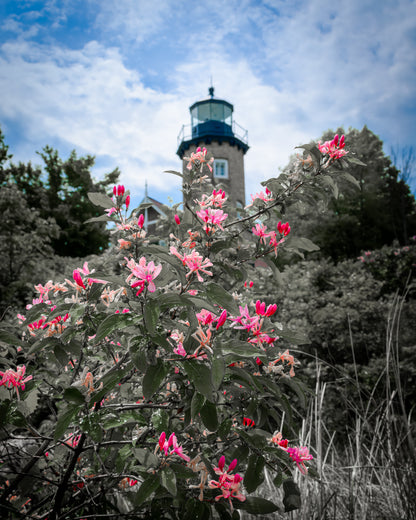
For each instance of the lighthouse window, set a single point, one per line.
(221, 169)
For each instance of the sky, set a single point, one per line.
(115, 79)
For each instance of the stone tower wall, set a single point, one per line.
(235, 184)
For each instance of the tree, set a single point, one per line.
(59, 191)
(376, 210)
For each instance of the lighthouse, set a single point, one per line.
(212, 127)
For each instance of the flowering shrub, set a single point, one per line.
(171, 342)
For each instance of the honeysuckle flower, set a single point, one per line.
(262, 311)
(283, 229)
(198, 158)
(144, 273)
(194, 262)
(177, 219)
(334, 148)
(222, 319)
(265, 197)
(248, 422)
(300, 455)
(172, 443)
(205, 317)
(110, 211)
(15, 378)
(127, 202)
(228, 484)
(118, 190)
(140, 221)
(77, 279)
(212, 217)
(260, 231)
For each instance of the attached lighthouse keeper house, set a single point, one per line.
(212, 127)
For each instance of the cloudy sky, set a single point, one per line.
(115, 78)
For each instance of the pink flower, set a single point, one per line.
(300, 455)
(212, 217)
(110, 211)
(77, 279)
(283, 229)
(15, 378)
(205, 317)
(199, 159)
(140, 221)
(248, 422)
(262, 311)
(172, 442)
(127, 202)
(334, 148)
(222, 319)
(265, 197)
(228, 484)
(194, 262)
(177, 219)
(144, 273)
(260, 231)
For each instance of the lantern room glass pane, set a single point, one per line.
(228, 118)
(217, 112)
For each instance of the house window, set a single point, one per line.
(221, 168)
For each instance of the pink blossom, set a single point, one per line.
(228, 484)
(222, 319)
(265, 197)
(205, 317)
(144, 273)
(194, 262)
(262, 311)
(172, 442)
(110, 211)
(212, 217)
(77, 279)
(15, 378)
(127, 202)
(177, 219)
(300, 455)
(260, 231)
(283, 229)
(334, 148)
(140, 221)
(199, 159)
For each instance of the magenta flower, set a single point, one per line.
(127, 202)
(300, 455)
(262, 311)
(199, 159)
(222, 319)
(260, 231)
(177, 219)
(144, 273)
(15, 378)
(283, 229)
(77, 279)
(228, 484)
(140, 221)
(172, 442)
(334, 148)
(212, 217)
(194, 262)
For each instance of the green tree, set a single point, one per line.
(376, 211)
(59, 191)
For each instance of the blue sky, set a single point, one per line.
(115, 79)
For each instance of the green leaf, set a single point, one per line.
(217, 372)
(295, 337)
(146, 458)
(301, 243)
(292, 499)
(151, 315)
(221, 297)
(100, 199)
(197, 403)
(101, 218)
(350, 178)
(268, 260)
(123, 419)
(73, 395)
(168, 480)
(11, 339)
(254, 472)
(174, 172)
(209, 416)
(110, 324)
(160, 420)
(109, 381)
(147, 487)
(181, 471)
(256, 506)
(64, 420)
(329, 181)
(153, 378)
(60, 354)
(240, 349)
(354, 160)
(200, 376)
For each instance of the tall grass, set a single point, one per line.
(368, 471)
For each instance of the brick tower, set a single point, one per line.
(212, 127)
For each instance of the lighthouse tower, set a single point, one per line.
(212, 127)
